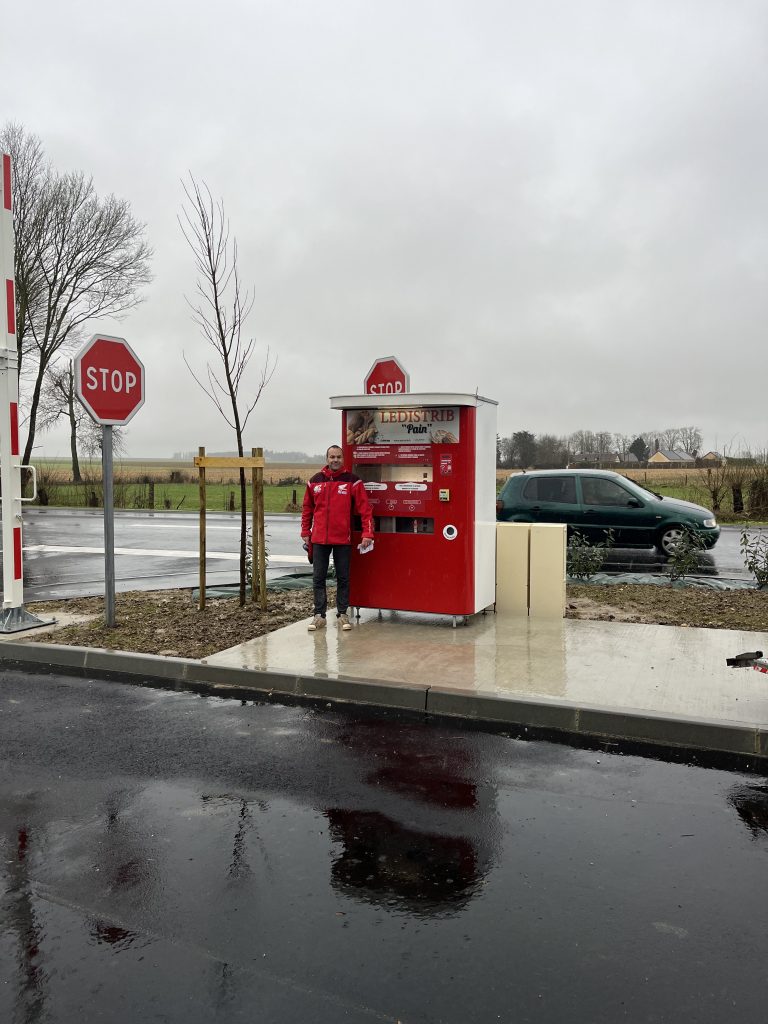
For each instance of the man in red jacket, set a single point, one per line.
(332, 497)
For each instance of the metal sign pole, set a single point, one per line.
(109, 384)
(109, 526)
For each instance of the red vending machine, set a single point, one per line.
(429, 466)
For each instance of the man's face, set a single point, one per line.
(335, 459)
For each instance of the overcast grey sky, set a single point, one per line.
(561, 203)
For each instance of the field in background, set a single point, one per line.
(168, 484)
(160, 470)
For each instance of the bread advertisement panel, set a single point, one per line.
(425, 425)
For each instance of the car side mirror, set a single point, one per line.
(634, 503)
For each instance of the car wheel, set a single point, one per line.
(668, 539)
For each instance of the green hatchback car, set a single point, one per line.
(594, 501)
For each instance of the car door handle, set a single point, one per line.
(535, 508)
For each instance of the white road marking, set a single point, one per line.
(173, 526)
(233, 556)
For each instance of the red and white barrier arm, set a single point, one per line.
(13, 616)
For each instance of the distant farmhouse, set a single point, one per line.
(712, 459)
(667, 458)
(602, 459)
(594, 459)
(670, 458)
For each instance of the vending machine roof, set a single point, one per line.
(407, 398)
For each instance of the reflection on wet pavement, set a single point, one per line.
(384, 863)
(751, 804)
(167, 857)
(381, 860)
(648, 560)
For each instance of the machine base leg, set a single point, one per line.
(14, 620)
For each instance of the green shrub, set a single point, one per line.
(754, 551)
(249, 555)
(583, 559)
(684, 560)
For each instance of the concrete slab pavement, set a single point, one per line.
(659, 669)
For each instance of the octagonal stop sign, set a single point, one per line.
(387, 377)
(109, 380)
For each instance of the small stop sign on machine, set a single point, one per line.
(109, 380)
(387, 377)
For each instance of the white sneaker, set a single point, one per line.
(317, 623)
(344, 622)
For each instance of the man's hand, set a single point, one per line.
(305, 538)
(367, 542)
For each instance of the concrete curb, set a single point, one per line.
(627, 725)
(187, 673)
(560, 719)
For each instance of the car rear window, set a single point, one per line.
(561, 489)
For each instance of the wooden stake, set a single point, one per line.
(255, 463)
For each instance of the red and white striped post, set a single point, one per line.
(14, 617)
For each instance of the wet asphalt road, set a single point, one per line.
(63, 552)
(176, 858)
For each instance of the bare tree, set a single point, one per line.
(737, 477)
(58, 401)
(603, 442)
(78, 257)
(91, 439)
(220, 310)
(551, 450)
(691, 440)
(622, 442)
(758, 488)
(582, 442)
(670, 439)
(714, 481)
(687, 439)
(505, 453)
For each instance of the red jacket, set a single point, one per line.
(330, 501)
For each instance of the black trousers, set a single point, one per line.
(321, 554)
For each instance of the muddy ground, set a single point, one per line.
(688, 606)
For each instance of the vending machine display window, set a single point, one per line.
(378, 473)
